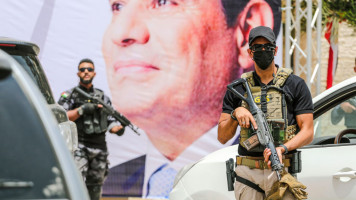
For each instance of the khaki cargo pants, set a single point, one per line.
(264, 178)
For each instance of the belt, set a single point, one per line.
(257, 162)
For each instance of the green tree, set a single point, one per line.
(340, 10)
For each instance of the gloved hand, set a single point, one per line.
(118, 130)
(88, 108)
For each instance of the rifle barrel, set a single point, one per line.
(118, 116)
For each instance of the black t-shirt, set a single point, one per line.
(294, 86)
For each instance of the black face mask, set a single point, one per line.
(263, 58)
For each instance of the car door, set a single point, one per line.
(329, 169)
(34, 161)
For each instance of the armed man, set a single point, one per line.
(284, 102)
(92, 122)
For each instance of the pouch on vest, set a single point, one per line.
(276, 127)
(277, 130)
(88, 127)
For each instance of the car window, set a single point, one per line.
(332, 122)
(29, 168)
(32, 66)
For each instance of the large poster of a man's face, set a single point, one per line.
(168, 63)
(165, 65)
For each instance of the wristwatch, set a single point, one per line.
(232, 115)
(285, 148)
(80, 111)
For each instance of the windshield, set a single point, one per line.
(34, 69)
(338, 118)
(30, 168)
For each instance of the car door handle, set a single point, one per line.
(348, 174)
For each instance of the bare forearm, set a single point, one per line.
(306, 133)
(73, 114)
(301, 139)
(227, 128)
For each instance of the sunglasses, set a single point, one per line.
(86, 68)
(260, 47)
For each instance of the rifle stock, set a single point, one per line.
(263, 132)
(118, 116)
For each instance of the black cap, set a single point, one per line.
(261, 31)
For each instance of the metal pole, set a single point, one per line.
(309, 41)
(297, 38)
(318, 27)
(287, 34)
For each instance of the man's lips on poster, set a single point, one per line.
(133, 67)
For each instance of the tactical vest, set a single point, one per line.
(96, 123)
(271, 100)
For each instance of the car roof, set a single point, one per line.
(19, 44)
(334, 88)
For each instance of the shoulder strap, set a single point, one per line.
(281, 76)
(249, 77)
(69, 93)
(98, 93)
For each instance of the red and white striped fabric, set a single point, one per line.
(331, 35)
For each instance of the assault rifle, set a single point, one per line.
(264, 135)
(112, 112)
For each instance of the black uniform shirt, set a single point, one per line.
(294, 86)
(67, 100)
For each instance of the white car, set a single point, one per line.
(26, 54)
(34, 161)
(328, 163)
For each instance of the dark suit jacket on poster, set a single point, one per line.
(126, 179)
